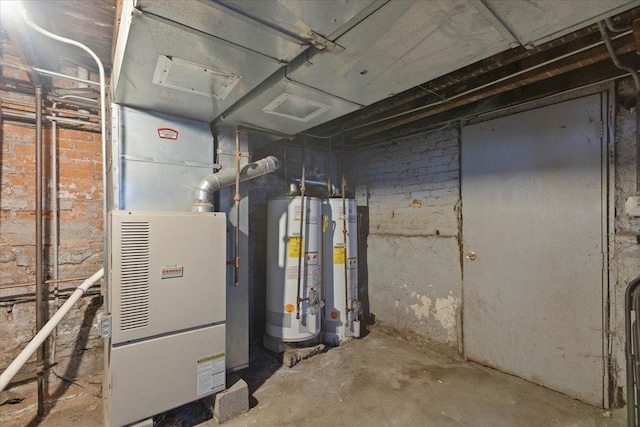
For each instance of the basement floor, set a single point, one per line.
(383, 379)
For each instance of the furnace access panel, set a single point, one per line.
(167, 304)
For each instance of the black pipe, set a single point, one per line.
(636, 350)
(628, 348)
(636, 80)
(39, 282)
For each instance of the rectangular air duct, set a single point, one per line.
(198, 79)
(295, 107)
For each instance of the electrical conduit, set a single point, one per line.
(103, 128)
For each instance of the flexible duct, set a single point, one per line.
(210, 184)
(46, 330)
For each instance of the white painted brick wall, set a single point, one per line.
(411, 187)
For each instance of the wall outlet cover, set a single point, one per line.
(632, 206)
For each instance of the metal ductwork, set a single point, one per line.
(210, 184)
(289, 66)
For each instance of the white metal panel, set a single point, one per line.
(215, 19)
(401, 45)
(537, 21)
(323, 17)
(148, 37)
(156, 173)
(532, 214)
(192, 242)
(253, 111)
(147, 378)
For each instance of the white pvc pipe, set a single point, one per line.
(46, 330)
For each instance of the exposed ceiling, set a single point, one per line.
(89, 22)
(352, 72)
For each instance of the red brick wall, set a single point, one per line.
(78, 349)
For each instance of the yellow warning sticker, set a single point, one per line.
(210, 357)
(339, 254)
(295, 242)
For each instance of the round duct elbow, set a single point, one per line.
(216, 181)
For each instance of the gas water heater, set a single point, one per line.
(294, 268)
(342, 307)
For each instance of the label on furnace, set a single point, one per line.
(211, 373)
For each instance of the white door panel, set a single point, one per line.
(531, 192)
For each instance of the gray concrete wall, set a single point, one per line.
(410, 191)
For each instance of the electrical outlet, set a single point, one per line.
(632, 206)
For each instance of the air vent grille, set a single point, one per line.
(295, 107)
(135, 285)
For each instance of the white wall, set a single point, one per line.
(410, 191)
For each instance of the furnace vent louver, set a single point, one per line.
(135, 259)
(190, 77)
(295, 107)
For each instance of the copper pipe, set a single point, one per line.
(300, 240)
(236, 198)
(346, 257)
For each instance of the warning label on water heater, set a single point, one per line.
(339, 254)
(211, 373)
(295, 242)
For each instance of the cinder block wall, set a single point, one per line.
(78, 350)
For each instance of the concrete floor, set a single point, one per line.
(379, 380)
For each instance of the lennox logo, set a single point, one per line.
(172, 272)
(168, 133)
